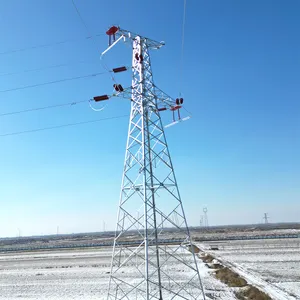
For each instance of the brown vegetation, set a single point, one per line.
(195, 248)
(217, 266)
(230, 278)
(251, 293)
(207, 258)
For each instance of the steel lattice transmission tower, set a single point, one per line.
(205, 217)
(146, 264)
(266, 218)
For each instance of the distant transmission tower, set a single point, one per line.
(201, 221)
(150, 204)
(205, 218)
(266, 218)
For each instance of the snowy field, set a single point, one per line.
(54, 275)
(74, 274)
(84, 274)
(273, 263)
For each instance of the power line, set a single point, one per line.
(61, 126)
(42, 108)
(89, 33)
(80, 17)
(52, 82)
(44, 68)
(182, 51)
(49, 45)
(182, 43)
(183, 26)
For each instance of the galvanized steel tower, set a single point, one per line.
(147, 263)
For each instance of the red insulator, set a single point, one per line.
(112, 30)
(177, 101)
(175, 107)
(120, 69)
(181, 100)
(137, 56)
(101, 98)
(116, 87)
(162, 109)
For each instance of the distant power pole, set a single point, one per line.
(205, 218)
(266, 218)
(201, 221)
(103, 226)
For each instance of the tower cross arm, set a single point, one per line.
(116, 34)
(152, 44)
(163, 98)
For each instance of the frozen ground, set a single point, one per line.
(273, 264)
(54, 275)
(74, 274)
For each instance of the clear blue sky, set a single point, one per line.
(238, 155)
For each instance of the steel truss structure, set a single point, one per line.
(144, 265)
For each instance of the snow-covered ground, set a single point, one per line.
(272, 264)
(75, 274)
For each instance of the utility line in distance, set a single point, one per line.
(45, 68)
(41, 108)
(61, 126)
(52, 82)
(80, 17)
(88, 32)
(50, 44)
(182, 45)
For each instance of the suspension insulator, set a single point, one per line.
(181, 100)
(120, 69)
(141, 58)
(162, 109)
(137, 56)
(177, 101)
(116, 87)
(101, 98)
(112, 30)
(173, 108)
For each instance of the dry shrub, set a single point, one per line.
(251, 293)
(210, 266)
(214, 266)
(195, 248)
(217, 266)
(207, 258)
(230, 278)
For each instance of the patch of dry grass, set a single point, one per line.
(207, 258)
(217, 266)
(251, 293)
(230, 278)
(195, 248)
